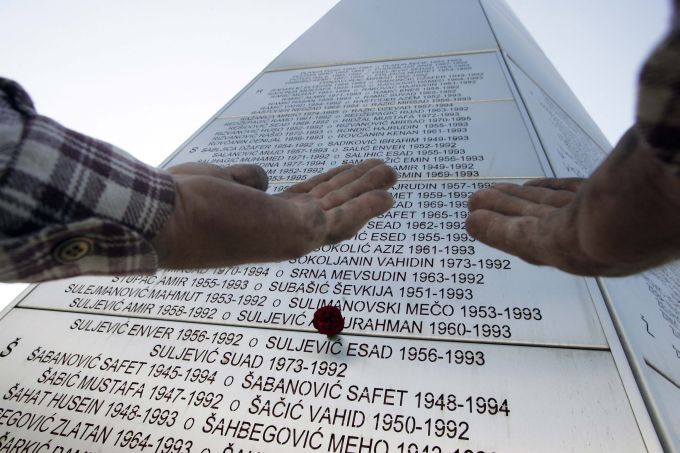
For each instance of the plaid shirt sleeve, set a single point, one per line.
(70, 204)
(658, 109)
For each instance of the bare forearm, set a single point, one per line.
(624, 219)
(630, 209)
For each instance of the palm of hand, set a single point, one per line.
(622, 220)
(536, 222)
(224, 216)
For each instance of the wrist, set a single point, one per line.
(629, 209)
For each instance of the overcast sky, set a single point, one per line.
(145, 74)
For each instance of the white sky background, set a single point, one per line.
(144, 75)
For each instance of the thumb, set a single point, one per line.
(245, 174)
(248, 175)
(570, 184)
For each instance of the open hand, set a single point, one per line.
(224, 217)
(624, 219)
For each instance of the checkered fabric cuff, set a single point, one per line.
(70, 204)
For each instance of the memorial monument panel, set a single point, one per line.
(516, 45)
(653, 323)
(123, 384)
(428, 117)
(665, 395)
(650, 325)
(569, 148)
(426, 142)
(450, 79)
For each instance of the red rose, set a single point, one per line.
(328, 320)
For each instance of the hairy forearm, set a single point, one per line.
(629, 209)
(624, 219)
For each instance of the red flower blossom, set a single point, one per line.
(328, 320)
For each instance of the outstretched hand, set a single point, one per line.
(622, 220)
(224, 217)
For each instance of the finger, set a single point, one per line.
(571, 184)
(248, 175)
(530, 239)
(347, 219)
(379, 177)
(306, 186)
(506, 204)
(245, 174)
(515, 235)
(540, 195)
(344, 178)
(194, 168)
